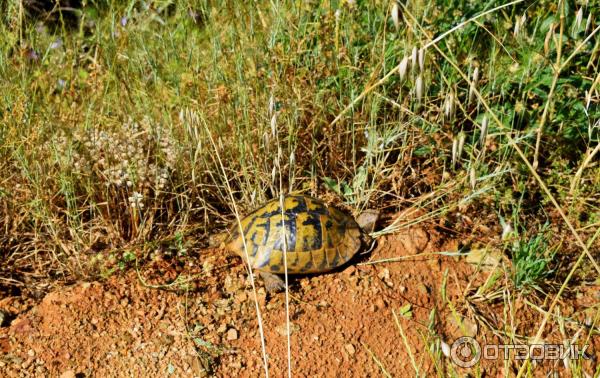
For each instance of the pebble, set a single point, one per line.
(241, 297)
(282, 329)
(27, 363)
(349, 270)
(350, 349)
(31, 353)
(384, 274)
(68, 374)
(232, 334)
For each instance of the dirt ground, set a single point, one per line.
(342, 323)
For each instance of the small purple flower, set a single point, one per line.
(56, 44)
(32, 54)
(41, 28)
(123, 21)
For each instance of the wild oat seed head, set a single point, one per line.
(473, 86)
(403, 68)
(461, 144)
(548, 38)
(454, 150)
(422, 59)
(272, 101)
(484, 130)
(396, 15)
(414, 58)
(578, 19)
(449, 107)
(445, 348)
(274, 125)
(419, 87)
(519, 24)
(506, 231)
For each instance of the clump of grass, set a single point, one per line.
(532, 260)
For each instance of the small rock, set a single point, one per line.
(31, 353)
(350, 349)
(282, 329)
(261, 295)
(232, 334)
(349, 270)
(27, 364)
(68, 374)
(222, 328)
(241, 297)
(384, 274)
(229, 285)
(379, 304)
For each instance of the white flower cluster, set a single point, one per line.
(133, 157)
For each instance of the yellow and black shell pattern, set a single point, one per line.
(319, 237)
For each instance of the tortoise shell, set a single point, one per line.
(319, 237)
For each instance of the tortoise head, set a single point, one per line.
(367, 219)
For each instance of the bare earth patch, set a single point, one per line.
(341, 323)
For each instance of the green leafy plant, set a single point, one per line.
(532, 259)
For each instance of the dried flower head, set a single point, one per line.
(449, 107)
(419, 87)
(130, 156)
(414, 56)
(473, 86)
(454, 151)
(578, 19)
(484, 130)
(403, 68)
(396, 15)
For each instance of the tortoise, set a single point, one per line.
(319, 238)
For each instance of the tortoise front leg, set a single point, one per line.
(273, 283)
